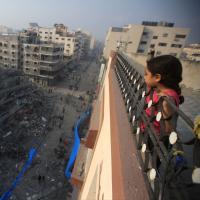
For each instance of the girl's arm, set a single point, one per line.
(167, 112)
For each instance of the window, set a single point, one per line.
(176, 40)
(180, 36)
(176, 45)
(51, 33)
(165, 34)
(196, 54)
(40, 31)
(145, 33)
(143, 42)
(158, 53)
(46, 32)
(63, 38)
(155, 37)
(162, 44)
(45, 37)
(152, 45)
(140, 51)
(69, 39)
(56, 38)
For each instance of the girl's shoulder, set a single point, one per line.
(172, 94)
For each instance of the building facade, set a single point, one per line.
(59, 34)
(76, 44)
(43, 62)
(5, 29)
(9, 51)
(162, 37)
(192, 52)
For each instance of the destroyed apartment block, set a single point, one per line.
(25, 116)
(41, 61)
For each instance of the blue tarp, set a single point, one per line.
(76, 145)
(33, 152)
(8, 193)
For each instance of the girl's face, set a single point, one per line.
(150, 79)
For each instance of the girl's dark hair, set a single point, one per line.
(170, 69)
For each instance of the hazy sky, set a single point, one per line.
(97, 15)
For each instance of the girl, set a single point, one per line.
(164, 73)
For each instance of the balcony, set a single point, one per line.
(51, 68)
(81, 165)
(124, 157)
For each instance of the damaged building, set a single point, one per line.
(25, 116)
(43, 62)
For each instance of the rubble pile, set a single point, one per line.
(25, 113)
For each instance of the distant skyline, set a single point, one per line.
(96, 16)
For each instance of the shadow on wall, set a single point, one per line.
(191, 70)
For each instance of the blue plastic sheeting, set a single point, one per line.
(76, 145)
(7, 194)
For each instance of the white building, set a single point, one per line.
(5, 29)
(92, 43)
(162, 37)
(76, 44)
(85, 40)
(59, 34)
(192, 52)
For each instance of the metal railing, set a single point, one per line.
(160, 153)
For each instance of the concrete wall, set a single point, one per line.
(191, 74)
(140, 33)
(191, 70)
(169, 39)
(98, 182)
(132, 35)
